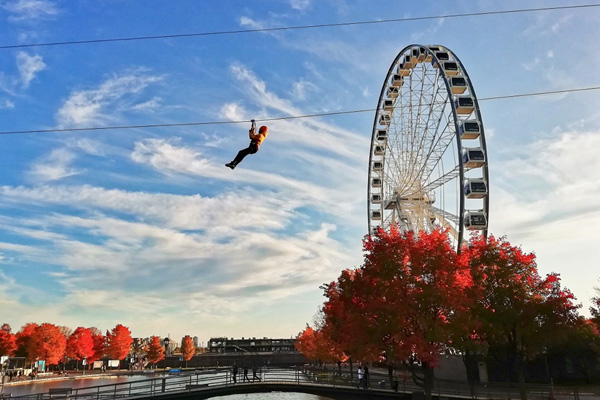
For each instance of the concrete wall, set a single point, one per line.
(451, 367)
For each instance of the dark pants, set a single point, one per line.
(251, 149)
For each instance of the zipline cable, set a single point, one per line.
(183, 124)
(298, 27)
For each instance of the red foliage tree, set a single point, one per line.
(315, 346)
(519, 313)
(48, 343)
(187, 349)
(99, 347)
(118, 342)
(8, 341)
(305, 343)
(23, 339)
(156, 352)
(80, 344)
(402, 302)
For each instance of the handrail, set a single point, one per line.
(198, 380)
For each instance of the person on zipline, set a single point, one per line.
(255, 142)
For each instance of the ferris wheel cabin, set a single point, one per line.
(397, 81)
(475, 220)
(458, 85)
(475, 188)
(464, 104)
(418, 54)
(469, 129)
(381, 135)
(473, 158)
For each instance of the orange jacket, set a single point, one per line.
(258, 137)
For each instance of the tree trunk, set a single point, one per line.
(467, 361)
(351, 373)
(427, 379)
(521, 379)
(391, 377)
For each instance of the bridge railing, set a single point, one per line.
(197, 380)
(185, 381)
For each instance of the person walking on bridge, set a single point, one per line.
(360, 375)
(246, 374)
(234, 372)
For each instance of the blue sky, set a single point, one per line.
(146, 227)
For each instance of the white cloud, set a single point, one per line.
(233, 112)
(107, 102)
(302, 88)
(161, 153)
(332, 138)
(89, 146)
(334, 190)
(250, 23)
(532, 65)
(29, 66)
(547, 24)
(224, 248)
(54, 166)
(300, 4)
(6, 105)
(30, 10)
(149, 105)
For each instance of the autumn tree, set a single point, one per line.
(118, 342)
(402, 302)
(520, 314)
(580, 349)
(187, 349)
(8, 341)
(305, 343)
(595, 307)
(23, 340)
(317, 347)
(99, 347)
(156, 352)
(80, 344)
(48, 343)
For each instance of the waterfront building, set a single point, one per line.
(250, 345)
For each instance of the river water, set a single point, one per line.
(272, 396)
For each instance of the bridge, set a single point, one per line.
(205, 384)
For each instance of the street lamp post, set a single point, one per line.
(166, 341)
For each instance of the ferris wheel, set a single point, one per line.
(428, 158)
